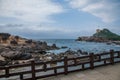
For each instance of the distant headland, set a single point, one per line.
(104, 35)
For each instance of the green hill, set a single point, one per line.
(106, 34)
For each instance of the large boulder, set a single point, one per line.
(2, 58)
(70, 52)
(28, 41)
(13, 42)
(54, 46)
(1, 50)
(16, 55)
(25, 56)
(3, 63)
(44, 45)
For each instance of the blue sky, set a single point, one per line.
(59, 19)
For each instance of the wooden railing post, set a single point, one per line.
(55, 71)
(75, 61)
(118, 54)
(33, 70)
(92, 60)
(83, 66)
(21, 76)
(44, 66)
(65, 65)
(7, 71)
(112, 57)
(105, 62)
(99, 56)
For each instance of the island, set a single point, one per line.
(104, 35)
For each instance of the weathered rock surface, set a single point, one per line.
(44, 45)
(16, 55)
(3, 63)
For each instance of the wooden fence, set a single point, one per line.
(66, 66)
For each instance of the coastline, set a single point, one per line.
(55, 53)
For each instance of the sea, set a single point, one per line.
(90, 47)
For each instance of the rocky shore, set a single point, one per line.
(21, 55)
(17, 50)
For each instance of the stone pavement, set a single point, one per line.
(110, 72)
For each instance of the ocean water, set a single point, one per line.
(84, 46)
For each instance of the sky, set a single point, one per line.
(58, 19)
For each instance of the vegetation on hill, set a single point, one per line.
(106, 34)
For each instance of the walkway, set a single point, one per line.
(110, 72)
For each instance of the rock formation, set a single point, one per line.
(104, 35)
(15, 48)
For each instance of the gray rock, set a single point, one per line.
(44, 45)
(54, 46)
(16, 55)
(63, 47)
(13, 42)
(3, 63)
(25, 56)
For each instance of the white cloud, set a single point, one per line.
(30, 10)
(107, 10)
(18, 28)
(46, 28)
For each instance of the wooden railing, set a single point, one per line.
(63, 66)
